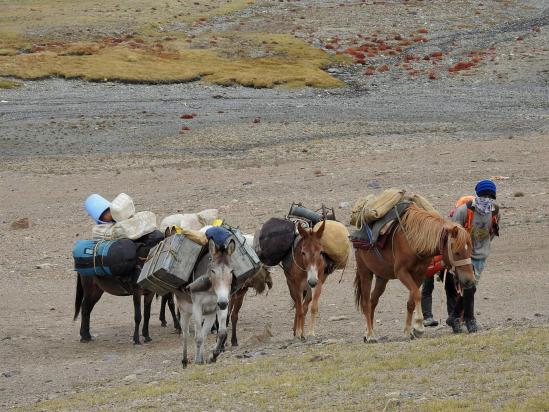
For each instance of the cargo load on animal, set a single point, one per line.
(170, 264)
(370, 208)
(105, 257)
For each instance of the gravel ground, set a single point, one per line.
(251, 153)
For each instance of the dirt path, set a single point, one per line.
(251, 152)
(39, 342)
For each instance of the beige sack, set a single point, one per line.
(208, 216)
(356, 211)
(122, 207)
(421, 202)
(102, 231)
(140, 224)
(335, 241)
(196, 236)
(169, 221)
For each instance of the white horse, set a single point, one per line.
(205, 298)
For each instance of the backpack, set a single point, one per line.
(468, 200)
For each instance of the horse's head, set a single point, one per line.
(457, 253)
(311, 253)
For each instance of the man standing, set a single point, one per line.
(481, 218)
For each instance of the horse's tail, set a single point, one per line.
(358, 290)
(79, 296)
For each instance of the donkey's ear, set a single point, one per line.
(231, 247)
(213, 247)
(320, 229)
(454, 231)
(302, 231)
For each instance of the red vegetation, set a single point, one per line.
(461, 66)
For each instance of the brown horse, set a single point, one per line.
(411, 245)
(89, 290)
(304, 270)
(258, 281)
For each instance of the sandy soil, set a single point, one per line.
(39, 343)
(62, 140)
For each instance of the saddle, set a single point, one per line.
(375, 234)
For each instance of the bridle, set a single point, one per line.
(452, 264)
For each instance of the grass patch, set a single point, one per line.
(422, 375)
(9, 84)
(72, 43)
(286, 60)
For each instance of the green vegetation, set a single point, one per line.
(501, 369)
(74, 43)
(9, 84)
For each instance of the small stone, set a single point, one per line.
(519, 194)
(373, 184)
(130, 378)
(23, 223)
(337, 318)
(344, 205)
(538, 314)
(318, 358)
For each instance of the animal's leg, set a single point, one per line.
(199, 332)
(418, 328)
(363, 285)
(175, 318)
(207, 323)
(136, 316)
(236, 304)
(378, 290)
(294, 293)
(314, 307)
(92, 294)
(414, 299)
(185, 321)
(221, 335)
(162, 315)
(298, 333)
(147, 302)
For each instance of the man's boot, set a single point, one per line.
(471, 325)
(469, 309)
(455, 324)
(427, 302)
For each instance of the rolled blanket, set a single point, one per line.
(219, 235)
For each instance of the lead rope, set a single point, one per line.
(345, 267)
(442, 294)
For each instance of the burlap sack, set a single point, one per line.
(421, 202)
(356, 211)
(335, 241)
(196, 236)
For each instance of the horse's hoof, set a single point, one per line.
(184, 363)
(163, 324)
(370, 339)
(416, 333)
(234, 343)
(147, 339)
(136, 342)
(86, 339)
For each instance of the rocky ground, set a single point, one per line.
(251, 153)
